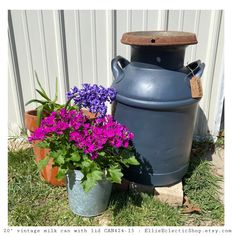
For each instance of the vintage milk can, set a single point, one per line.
(157, 99)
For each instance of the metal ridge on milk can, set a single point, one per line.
(155, 101)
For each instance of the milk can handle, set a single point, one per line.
(200, 70)
(196, 68)
(117, 65)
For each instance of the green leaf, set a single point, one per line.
(43, 95)
(39, 114)
(42, 163)
(91, 179)
(41, 87)
(86, 162)
(76, 165)
(35, 100)
(43, 144)
(115, 174)
(102, 154)
(75, 157)
(60, 159)
(131, 161)
(56, 94)
(61, 173)
(68, 102)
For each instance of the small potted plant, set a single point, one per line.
(32, 122)
(91, 99)
(91, 153)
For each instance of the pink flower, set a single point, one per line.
(125, 144)
(91, 148)
(131, 136)
(91, 136)
(94, 156)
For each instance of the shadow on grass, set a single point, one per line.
(141, 173)
(121, 200)
(201, 151)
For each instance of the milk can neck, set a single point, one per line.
(168, 57)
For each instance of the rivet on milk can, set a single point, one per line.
(157, 99)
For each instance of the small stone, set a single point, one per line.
(135, 187)
(172, 195)
(104, 219)
(104, 222)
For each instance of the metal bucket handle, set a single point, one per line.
(117, 65)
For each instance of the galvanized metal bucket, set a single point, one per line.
(90, 203)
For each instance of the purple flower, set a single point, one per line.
(92, 97)
(72, 92)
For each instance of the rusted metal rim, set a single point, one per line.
(159, 38)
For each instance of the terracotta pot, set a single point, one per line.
(31, 120)
(48, 173)
(89, 114)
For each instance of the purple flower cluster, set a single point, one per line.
(91, 136)
(93, 97)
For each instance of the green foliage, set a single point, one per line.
(131, 161)
(61, 173)
(102, 154)
(39, 114)
(47, 105)
(115, 174)
(43, 145)
(75, 157)
(42, 163)
(67, 156)
(91, 179)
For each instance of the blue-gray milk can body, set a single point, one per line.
(155, 102)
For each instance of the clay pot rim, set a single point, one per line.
(31, 112)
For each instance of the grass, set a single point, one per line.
(202, 188)
(35, 203)
(220, 140)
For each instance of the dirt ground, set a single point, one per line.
(218, 163)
